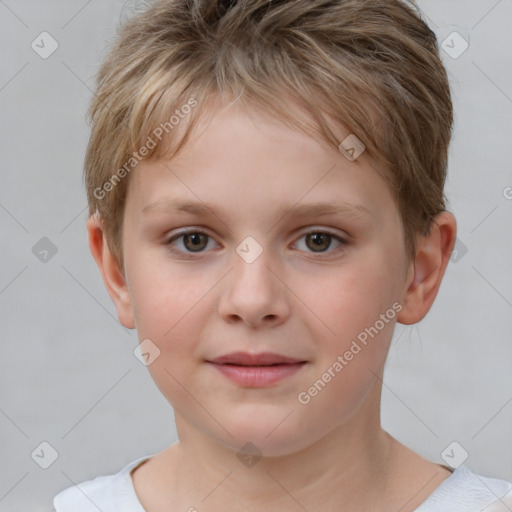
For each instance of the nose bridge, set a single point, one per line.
(253, 291)
(252, 261)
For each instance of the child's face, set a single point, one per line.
(303, 297)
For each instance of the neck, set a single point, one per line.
(357, 466)
(350, 465)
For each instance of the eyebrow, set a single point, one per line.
(316, 209)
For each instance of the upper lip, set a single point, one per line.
(247, 359)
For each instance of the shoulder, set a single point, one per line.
(466, 491)
(109, 493)
(87, 496)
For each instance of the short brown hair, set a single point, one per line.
(350, 59)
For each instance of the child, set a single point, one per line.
(266, 129)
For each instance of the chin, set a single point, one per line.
(266, 436)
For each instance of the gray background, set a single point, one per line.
(68, 373)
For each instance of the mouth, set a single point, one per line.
(256, 370)
(262, 359)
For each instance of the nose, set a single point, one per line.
(254, 293)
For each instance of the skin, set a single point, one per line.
(295, 299)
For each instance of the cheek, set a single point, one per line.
(352, 298)
(165, 297)
(358, 309)
(348, 368)
(170, 312)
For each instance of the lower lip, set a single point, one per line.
(258, 376)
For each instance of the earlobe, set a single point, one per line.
(113, 278)
(432, 256)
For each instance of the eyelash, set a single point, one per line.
(192, 255)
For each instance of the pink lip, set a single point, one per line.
(247, 359)
(257, 376)
(256, 370)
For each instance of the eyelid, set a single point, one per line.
(320, 229)
(307, 230)
(344, 240)
(184, 232)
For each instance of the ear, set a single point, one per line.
(426, 273)
(113, 278)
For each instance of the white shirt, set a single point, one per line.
(462, 491)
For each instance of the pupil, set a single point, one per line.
(318, 238)
(195, 237)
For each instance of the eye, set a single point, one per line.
(196, 241)
(318, 241)
(193, 241)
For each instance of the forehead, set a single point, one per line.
(240, 156)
